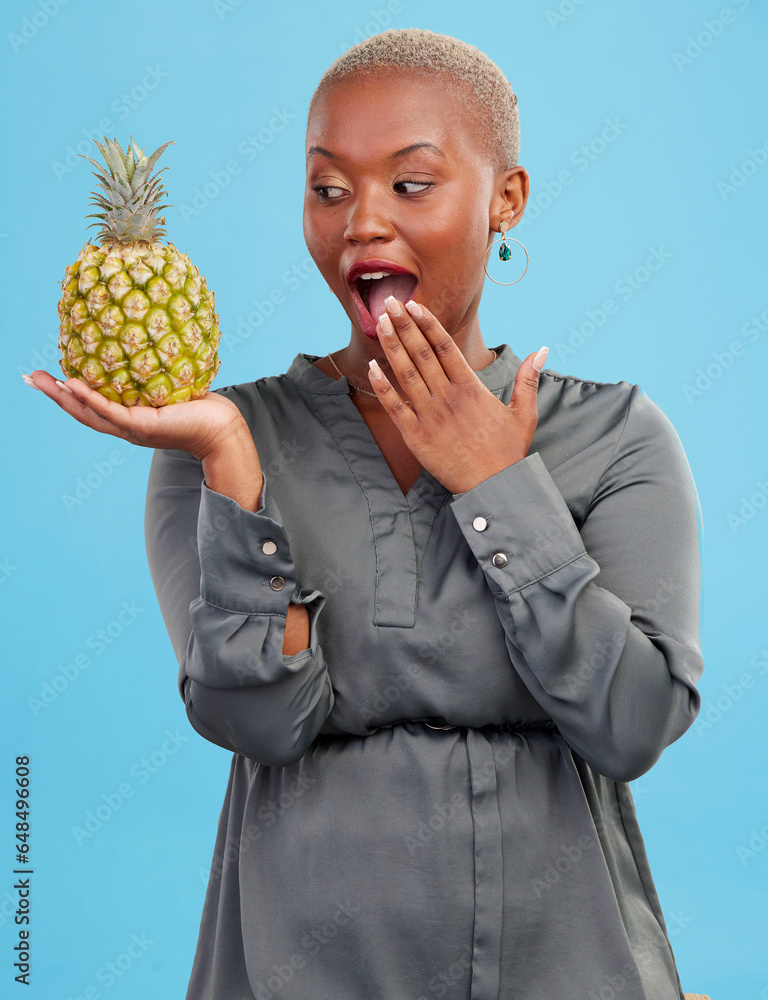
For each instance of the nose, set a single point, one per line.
(368, 219)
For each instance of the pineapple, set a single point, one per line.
(137, 319)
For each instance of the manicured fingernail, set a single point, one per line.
(65, 387)
(541, 357)
(30, 381)
(373, 364)
(392, 305)
(414, 309)
(385, 324)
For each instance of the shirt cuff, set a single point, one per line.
(518, 526)
(245, 561)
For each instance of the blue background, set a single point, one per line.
(209, 76)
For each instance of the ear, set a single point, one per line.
(510, 196)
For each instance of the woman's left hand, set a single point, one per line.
(459, 431)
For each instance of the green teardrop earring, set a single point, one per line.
(504, 251)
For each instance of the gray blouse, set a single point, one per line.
(432, 800)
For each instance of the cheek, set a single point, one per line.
(317, 239)
(453, 242)
(452, 267)
(456, 231)
(309, 223)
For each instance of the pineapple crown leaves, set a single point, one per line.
(129, 212)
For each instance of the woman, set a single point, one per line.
(440, 605)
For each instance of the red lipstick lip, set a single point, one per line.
(366, 266)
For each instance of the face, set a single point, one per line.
(398, 180)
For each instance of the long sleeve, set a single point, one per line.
(224, 577)
(601, 622)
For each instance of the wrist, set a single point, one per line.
(232, 467)
(234, 437)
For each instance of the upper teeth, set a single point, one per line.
(376, 274)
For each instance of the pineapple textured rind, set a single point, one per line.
(138, 324)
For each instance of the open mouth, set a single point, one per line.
(373, 289)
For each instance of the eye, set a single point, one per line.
(326, 187)
(422, 184)
(323, 189)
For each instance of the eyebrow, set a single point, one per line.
(400, 152)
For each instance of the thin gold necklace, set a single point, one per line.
(368, 392)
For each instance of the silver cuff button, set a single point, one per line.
(269, 548)
(499, 559)
(277, 582)
(479, 524)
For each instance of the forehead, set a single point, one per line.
(367, 116)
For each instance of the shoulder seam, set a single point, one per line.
(239, 385)
(571, 378)
(615, 447)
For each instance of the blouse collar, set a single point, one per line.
(499, 373)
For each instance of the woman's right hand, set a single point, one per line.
(201, 427)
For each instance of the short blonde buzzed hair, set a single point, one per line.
(424, 51)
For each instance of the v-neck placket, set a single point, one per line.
(400, 523)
